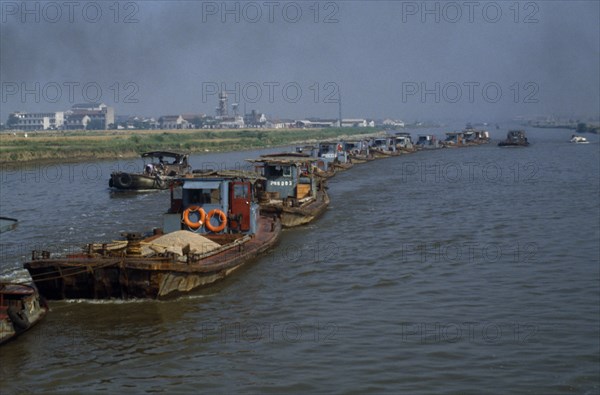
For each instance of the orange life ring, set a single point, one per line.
(186, 217)
(222, 219)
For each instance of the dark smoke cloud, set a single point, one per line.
(369, 53)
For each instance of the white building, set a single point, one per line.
(37, 121)
(77, 121)
(393, 122)
(98, 112)
(173, 122)
(232, 122)
(354, 123)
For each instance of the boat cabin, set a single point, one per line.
(356, 147)
(403, 140)
(287, 177)
(212, 205)
(332, 152)
(384, 143)
(454, 138)
(166, 163)
(427, 140)
(309, 150)
(516, 136)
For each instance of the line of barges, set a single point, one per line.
(215, 223)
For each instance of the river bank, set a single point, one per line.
(59, 146)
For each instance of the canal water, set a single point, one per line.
(471, 270)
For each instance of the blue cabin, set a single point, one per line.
(356, 147)
(288, 177)
(386, 143)
(454, 138)
(212, 205)
(332, 152)
(403, 140)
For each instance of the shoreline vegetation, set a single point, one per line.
(81, 145)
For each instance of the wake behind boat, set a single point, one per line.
(578, 139)
(7, 224)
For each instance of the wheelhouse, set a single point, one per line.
(403, 140)
(333, 152)
(384, 143)
(212, 205)
(456, 138)
(356, 147)
(166, 162)
(288, 177)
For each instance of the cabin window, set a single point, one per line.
(287, 171)
(205, 196)
(240, 191)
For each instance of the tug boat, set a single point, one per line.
(474, 136)
(212, 228)
(162, 168)
(291, 190)
(514, 138)
(21, 307)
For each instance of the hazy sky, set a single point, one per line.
(472, 61)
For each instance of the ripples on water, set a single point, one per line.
(453, 271)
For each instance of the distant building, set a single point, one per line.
(281, 124)
(316, 123)
(393, 123)
(36, 121)
(102, 116)
(173, 122)
(195, 121)
(354, 123)
(255, 119)
(235, 122)
(77, 122)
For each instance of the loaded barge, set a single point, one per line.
(212, 228)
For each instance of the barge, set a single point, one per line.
(212, 228)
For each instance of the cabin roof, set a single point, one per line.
(213, 183)
(228, 174)
(283, 160)
(169, 154)
(286, 154)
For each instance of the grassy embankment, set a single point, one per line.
(84, 145)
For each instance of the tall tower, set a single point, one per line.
(340, 106)
(222, 109)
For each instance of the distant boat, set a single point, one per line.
(157, 174)
(578, 140)
(514, 138)
(7, 224)
(427, 141)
